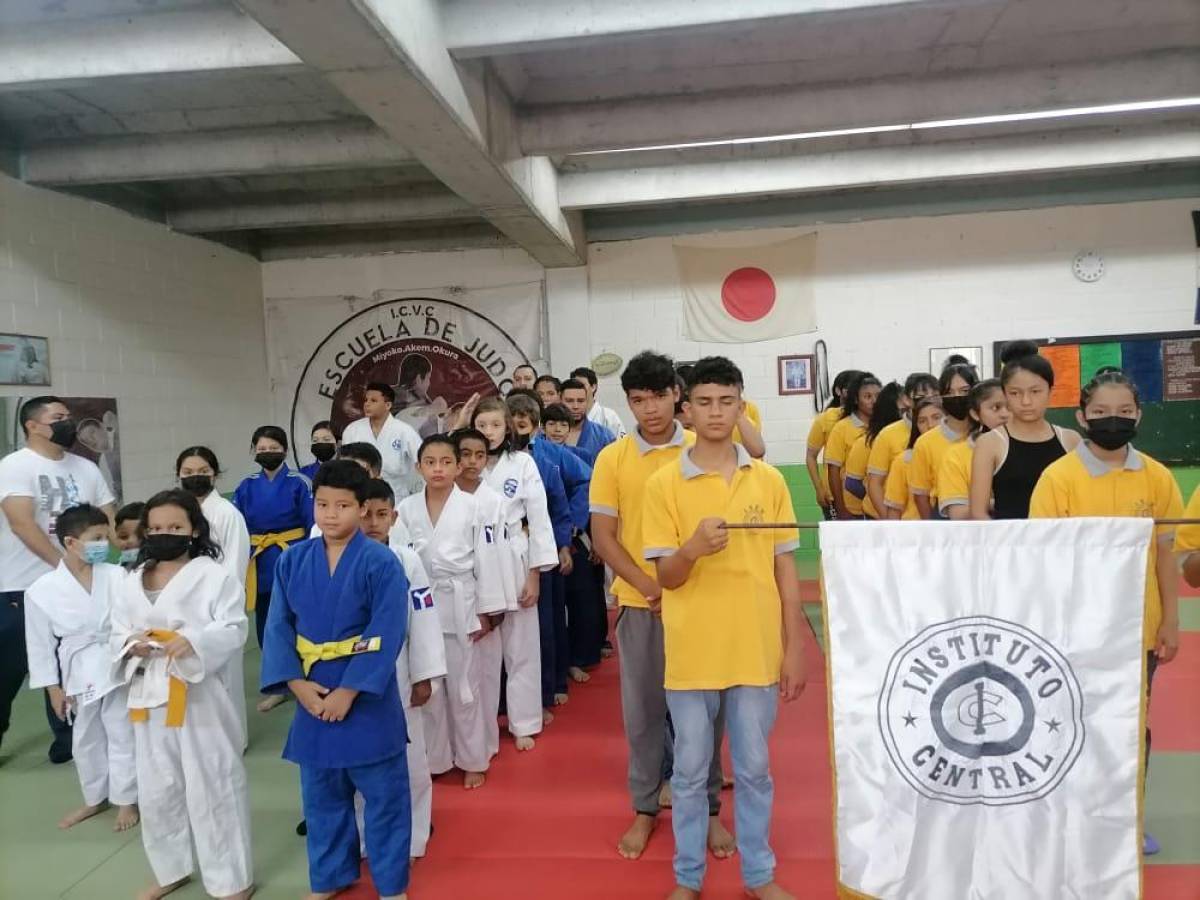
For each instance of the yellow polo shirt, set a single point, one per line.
(888, 444)
(1079, 484)
(953, 485)
(755, 418)
(723, 627)
(1187, 537)
(618, 490)
(928, 453)
(818, 433)
(842, 438)
(856, 469)
(896, 494)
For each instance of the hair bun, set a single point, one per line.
(1017, 350)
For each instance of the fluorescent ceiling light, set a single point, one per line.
(1108, 109)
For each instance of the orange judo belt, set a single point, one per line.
(176, 690)
(260, 543)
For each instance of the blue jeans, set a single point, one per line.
(749, 717)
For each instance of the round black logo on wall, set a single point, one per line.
(980, 710)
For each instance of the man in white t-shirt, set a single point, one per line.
(601, 415)
(36, 484)
(397, 442)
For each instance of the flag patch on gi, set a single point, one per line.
(422, 598)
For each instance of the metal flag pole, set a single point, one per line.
(746, 526)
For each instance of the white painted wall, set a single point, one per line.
(169, 325)
(887, 291)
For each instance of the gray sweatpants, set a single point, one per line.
(644, 710)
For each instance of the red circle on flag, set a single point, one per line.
(748, 294)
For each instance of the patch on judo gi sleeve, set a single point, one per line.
(510, 487)
(422, 598)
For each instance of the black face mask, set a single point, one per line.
(324, 452)
(165, 547)
(197, 485)
(270, 461)
(63, 432)
(1111, 432)
(957, 407)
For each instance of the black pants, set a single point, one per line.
(14, 668)
(587, 617)
(552, 630)
(261, 606)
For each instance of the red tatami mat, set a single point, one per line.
(1174, 715)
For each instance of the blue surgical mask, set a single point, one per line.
(129, 556)
(95, 552)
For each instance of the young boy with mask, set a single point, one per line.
(126, 528)
(67, 620)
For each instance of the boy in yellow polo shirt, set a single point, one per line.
(731, 621)
(617, 491)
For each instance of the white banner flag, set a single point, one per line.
(986, 707)
(435, 347)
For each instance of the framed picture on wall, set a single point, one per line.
(24, 359)
(795, 375)
(939, 355)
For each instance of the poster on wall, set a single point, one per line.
(434, 353)
(98, 436)
(1181, 369)
(24, 359)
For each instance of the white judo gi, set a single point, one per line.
(422, 658)
(229, 531)
(398, 444)
(457, 553)
(515, 478)
(67, 629)
(191, 779)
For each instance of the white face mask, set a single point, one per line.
(129, 556)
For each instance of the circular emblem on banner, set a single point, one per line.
(434, 354)
(980, 710)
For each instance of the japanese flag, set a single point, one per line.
(735, 295)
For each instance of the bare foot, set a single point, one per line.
(720, 841)
(525, 742)
(325, 895)
(155, 892)
(547, 717)
(770, 891)
(81, 815)
(726, 782)
(127, 817)
(560, 699)
(578, 675)
(682, 893)
(633, 842)
(472, 780)
(269, 703)
(664, 795)
(393, 897)
(606, 652)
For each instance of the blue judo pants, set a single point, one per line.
(328, 796)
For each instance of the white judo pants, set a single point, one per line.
(234, 679)
(102, 743)
(192, 788)
(517, 644)
(420, 783)
(455, 733)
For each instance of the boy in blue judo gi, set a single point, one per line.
(336, 626)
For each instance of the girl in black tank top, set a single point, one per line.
(1008, 463)
(1013, 482)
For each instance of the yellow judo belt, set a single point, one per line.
(311, 654)
(260, 543)
(176, 690)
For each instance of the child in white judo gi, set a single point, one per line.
(458, 549)
(67, 622)
(423, 659)
(531, 549)
(178, 620)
